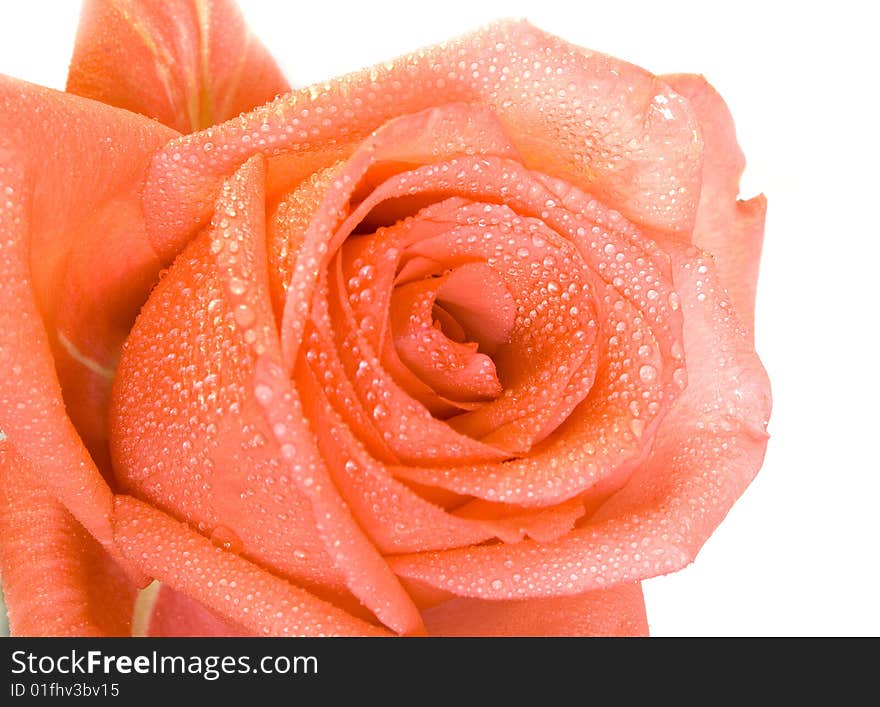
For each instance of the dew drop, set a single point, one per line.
(680, 377)
(227, 539)
(263, 393)
(244, 315)
(288, 451)
(237, 286)
(647, 373)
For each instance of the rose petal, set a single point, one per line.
(438, 233)
(287, 228)
(646, 136)
(706, 452)
(399, 520)
(547, 361)
(455, 370)
(175, 614)
(476, 299)
(619, 611)
(204, 451)
(224, 582)
(322, 358)
(186, 63)
(512, 523)
(57, 580)
(730, 229)
(366, 572)
(404, 424)
(432, 134)
(70, 173)
(215, 451)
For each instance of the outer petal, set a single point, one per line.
(175, 614)
(186, 63)
(230, 450)
(187, 433)
(706, 452)
(637, 148)
(75, 267)
(730, 229)
(619, 611)
(57, 580)
(223, 582)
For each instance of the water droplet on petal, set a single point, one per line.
(680, 377)
(227, 539)
(244, 315)
(647, 373)
(237, 286)
(637, 426)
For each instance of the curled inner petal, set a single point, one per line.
(455, 369)
(476, 298)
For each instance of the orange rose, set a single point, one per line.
(460, 344)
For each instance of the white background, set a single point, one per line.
(798, 555)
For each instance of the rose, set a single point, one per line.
(458, 344)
